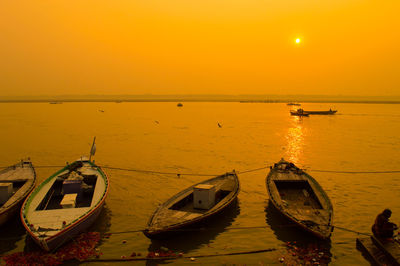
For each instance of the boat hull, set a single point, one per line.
(332, 112)
(300, 225)
(66, 235)
(299, 114)
(159, 226)
(299, 198)
(6, 215)
(12, 208)
(188, 227)
(50, 227)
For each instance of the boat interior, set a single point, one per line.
(186, 204)
(16, 185)
(79, 191)
(297, 194)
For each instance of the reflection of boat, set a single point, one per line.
(193, 205)
(293, 104)
(300, 198)
(65, 204)
(179, 105)
(16, 182)
(329, 112)
(299, 112)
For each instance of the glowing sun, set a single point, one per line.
(298, 40)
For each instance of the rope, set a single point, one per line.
(182, 257)
(357, 172)
(352, 231)
(253, 170)
(240, 172)
(235, 228)
(153, 172)
(192, 229)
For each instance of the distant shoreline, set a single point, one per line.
(60, 101)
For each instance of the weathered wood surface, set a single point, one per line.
(374, 253)
(313, 214)
(390, 247)
(20, 172)
(166, 218)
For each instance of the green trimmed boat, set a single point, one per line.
(65, 204)
(300, 198)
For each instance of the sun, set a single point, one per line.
(298, 40)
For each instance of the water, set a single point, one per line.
(162, 137)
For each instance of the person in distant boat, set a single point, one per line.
(382, 228)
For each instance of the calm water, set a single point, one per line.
(163, 137)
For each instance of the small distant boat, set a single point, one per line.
(55, 102)
(329, 112)
(16, 182)
(299, 112)
(179, 105)
(65, 204)
(193, 205)
(295, 104)
(300, 198)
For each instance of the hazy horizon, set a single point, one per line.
(208, 47)
(201, 97)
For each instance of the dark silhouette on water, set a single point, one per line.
(382, 228)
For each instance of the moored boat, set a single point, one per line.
(329, 112)
(299, 112)
(193, 205)
(16, 182)
(65, 204)
(300, 198)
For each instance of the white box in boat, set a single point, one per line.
(69, 201)
(203, 196)
(6, 190)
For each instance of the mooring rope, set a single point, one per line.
(200, 174)
(193, 229)
(356, 172)
(233, 228)
(183, 257)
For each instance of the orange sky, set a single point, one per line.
(348, 47)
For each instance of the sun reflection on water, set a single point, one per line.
(295, 140)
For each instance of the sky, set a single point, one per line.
(347, 47)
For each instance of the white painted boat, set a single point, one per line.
(65, 204)
(16, 182)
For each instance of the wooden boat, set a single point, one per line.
(299, 113)
(179, 105)
(194, 205)
(65, 204)
(300, 198)
(329, 112)
(16, 182)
